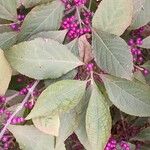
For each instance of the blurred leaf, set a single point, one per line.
(8, 10)
(144, 135)
(131, 97)
(137, 6)
(7, 39)
(146, 43)
(5, 28)
(113, 18)
(42, 18)
(30, 138)
(39, 59)
(143, 17)
(147, 66)
(98, 120)
(138, 75)
(58, 98)
(5, 75)
(112, 54)
(73, 47)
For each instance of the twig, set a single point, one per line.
(11, 97)
(30, 91)
(79, 17)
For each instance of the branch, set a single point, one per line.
(30, 91)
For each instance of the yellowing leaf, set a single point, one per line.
(5, 73)
(48, 125)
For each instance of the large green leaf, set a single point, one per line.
(98, 120)
(146, 43)
(42, 18)
(143, 17)
(113, 16)
(30, 138)
(7, 39)
(5, 75)
(112, 54)
(131, 97)
(74, 117)
(8, 10)
(59, 97)
(48, 125)
(42, 58)
(144, 135)
(55, 35)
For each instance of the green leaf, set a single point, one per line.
(146, 43)
(31, 3)
(39, 58)
(138, 75)
(5, 75)
(98, 120)
(113, 18)
(30, 138)
(112, 54)
(7, 39)
(131, 97)
(73, 47)
(143, 17)
(68, 123)
(58, 98)
(74, 117)
(55, 35)
(48, 125)
(70, 75)
(147, 66)
(8, 10)
(144, 135)
(82, 134)
(42, 18)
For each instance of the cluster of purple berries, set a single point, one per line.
(113, 144)
(136, 51)
(75, 29)
(29, 105)
(7, 141)
(79, 22)
(124, 145)
(6, 113)
(90, 67)
(16, 25)
(2, 99)
(135, 42)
